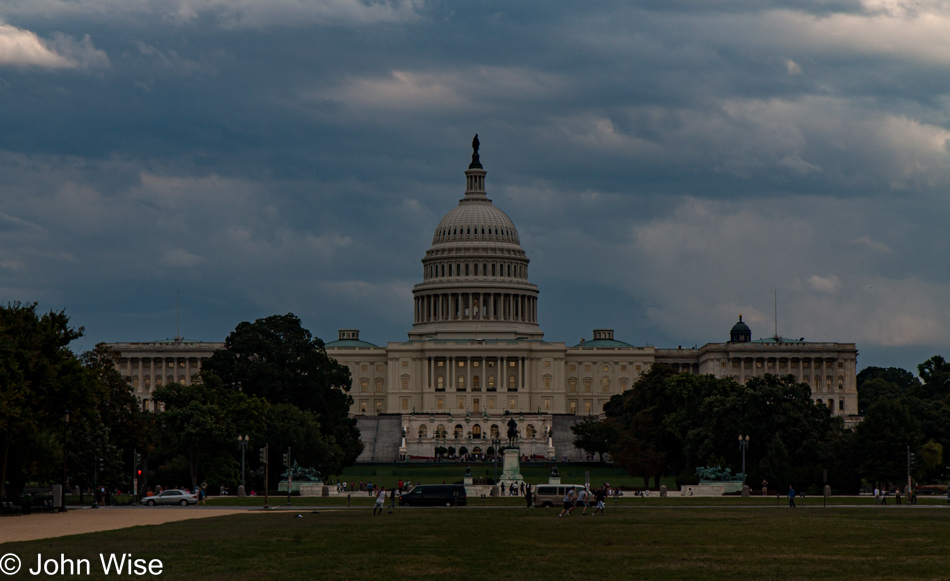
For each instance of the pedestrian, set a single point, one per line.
(582, 501)
(599, 495)
(897, 495)
(568, 502)
(380, 501)
(765, 487)
(527, 494)
(791, 497)
(877, 495)
(884, 497)
(392, 498)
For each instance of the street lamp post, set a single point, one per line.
(62, 505)
(743, 445)
(495, 444)
(243, 440)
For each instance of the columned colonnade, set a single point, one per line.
(474, 306)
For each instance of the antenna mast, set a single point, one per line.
(776, 313)
(178, 320)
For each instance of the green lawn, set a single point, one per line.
(499, 543)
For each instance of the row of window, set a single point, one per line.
(472, 269)
(147, 380)
(831, 403)
(494, 432)
(467, 231)
(770, 364)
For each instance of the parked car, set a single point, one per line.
(931, 489)
(182, 497)
(548, 495)
(435, 495)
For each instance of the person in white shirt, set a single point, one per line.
(380, 501)
(582, 500)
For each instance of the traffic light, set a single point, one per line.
(911, 459)
(287, 460)
(138, 472)
(263, 455)
(100, 464)
(138, 459)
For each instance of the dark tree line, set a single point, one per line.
(273, 383)
(670, 423)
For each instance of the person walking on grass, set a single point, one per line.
(582, 496)
(392, 498)
(380, 501)
(599, 495)
(791, 497)
(568, 502)
(527, 494)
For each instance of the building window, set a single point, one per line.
(723, 365)
(491, 383)
(379, 385)
(460, 386)
(440, 363)
(587, 368)
(405, 404)
(770, 364)
(158, 381)
(362, 407)
(587, 407)
(638, 368)
(379, 407)
(605, 384)
(547, 383)
(440, 383)
(476, 405)
(493, 430)
(439, 404)
(547, 404)
(623, 368)
(604, 368)
(623, 385)
(491, 403)
(461, 403)
(457, 432)
(511, 364)
(512, 403)
(573, 406)
(405, 364)
(511, 382)
(841, 404)
(572, 385)
(573, 367)
(423, 431)
(530, 432)
(364, 385)
(405, 383)
(587, 385)
(547, 364)
(440, 431)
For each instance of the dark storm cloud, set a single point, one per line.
(668, 164)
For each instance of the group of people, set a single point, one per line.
(583, 499)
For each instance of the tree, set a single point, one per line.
(278, 360)
(881, 441)
(877, 382)
(203, 420)
(935, 373)
(40, 378)
(595, 436)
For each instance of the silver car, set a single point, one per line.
(182, 497)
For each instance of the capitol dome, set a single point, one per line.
(475, 274)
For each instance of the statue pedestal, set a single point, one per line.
(511, 470)
(554, 479)
(469, 486)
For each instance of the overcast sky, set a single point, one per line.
(669, 164)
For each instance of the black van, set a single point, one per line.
(435, 495)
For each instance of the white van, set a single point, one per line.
(553, 494)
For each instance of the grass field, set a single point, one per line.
(677, 542)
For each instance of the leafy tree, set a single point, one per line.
(595, 436)
(928, 460)
(278, 360)
(202, 421)
(39, 380)
(881, 441)
(935, 373)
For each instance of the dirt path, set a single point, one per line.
(80, 521)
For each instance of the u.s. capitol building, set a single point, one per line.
(476, 356)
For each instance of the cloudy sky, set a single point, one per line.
(669, 163)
